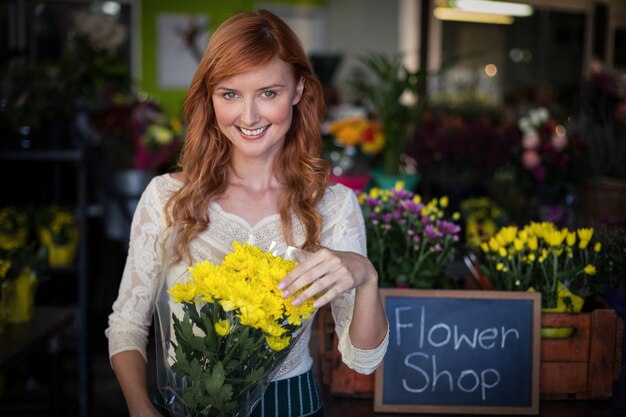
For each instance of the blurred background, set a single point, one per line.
(513, 111)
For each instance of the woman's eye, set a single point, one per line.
(230, 95)
(268, 94)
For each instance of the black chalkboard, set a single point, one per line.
(456, 351)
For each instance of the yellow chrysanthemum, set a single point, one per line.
(184, 292)
(590, 270)
(584, 236)
(597, 247)
(277, 343)
(554, 238)
(223, 327)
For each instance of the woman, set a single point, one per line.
(250, 166)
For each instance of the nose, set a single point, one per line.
(250, 113)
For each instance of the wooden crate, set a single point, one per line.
(585, 365)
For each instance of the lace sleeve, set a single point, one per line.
(129, 323)
(348, 234)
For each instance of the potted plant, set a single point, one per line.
(459, 143)
(580, 335)
(559, 263)
(57, 228)
(135, 139)
(409, 241)
(14, 227)
(392, 92)
(601, 122)
(19, 269)
(350, 143)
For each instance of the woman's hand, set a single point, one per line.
(329, 273)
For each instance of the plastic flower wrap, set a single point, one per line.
(409, 241)
(230, 330)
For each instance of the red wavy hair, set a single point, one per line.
(238, 45)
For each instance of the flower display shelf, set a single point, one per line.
(585, 365)
(582, 367)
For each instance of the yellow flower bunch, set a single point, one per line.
(483, 217)
(162, 132)
(14, 227)
(540, 256)
(56, 225)
(357, 131)
(237, 328)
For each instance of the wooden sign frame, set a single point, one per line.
(532, 409)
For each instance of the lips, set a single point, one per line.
(253, 133)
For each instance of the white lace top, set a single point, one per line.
(132, 314)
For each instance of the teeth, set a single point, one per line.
(252, 132)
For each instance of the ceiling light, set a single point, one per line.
(496, 7)
(444, 13)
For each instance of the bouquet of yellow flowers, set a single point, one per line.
(231, 331)
(560, 263)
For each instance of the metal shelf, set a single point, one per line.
(76, 156)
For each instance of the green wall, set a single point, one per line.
(218, 11)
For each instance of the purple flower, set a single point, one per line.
(402, 194)
(416, 239)
(386, 217)
(372, 202)
(438, 247)
(431, 232)
(449, 228)
(410, 206)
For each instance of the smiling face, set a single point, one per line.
(254, 109)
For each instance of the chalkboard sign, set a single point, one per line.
(456, 351)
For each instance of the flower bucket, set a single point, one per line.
(383, 180)
(59, 255)
(119, 206)
(19, 297)
(575, 306)
(358, 183)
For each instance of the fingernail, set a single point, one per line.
(281, 285)
(296, 301)
(285, 294)
(316, 304)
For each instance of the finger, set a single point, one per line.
(295, 273)
(334, 283)
(306, 273)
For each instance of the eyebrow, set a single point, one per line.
(269, 87)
